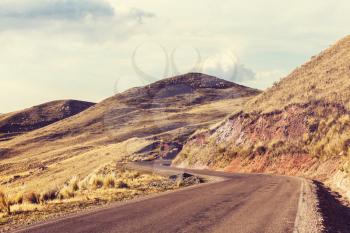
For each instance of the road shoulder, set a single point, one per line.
(309, 218)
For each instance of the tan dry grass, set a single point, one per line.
(5, 203)
(109, 181)
(25, 208)
(112, 130)
(62, 159)
(106, 184)
(324, 77)
(31, 197)
(323, 82)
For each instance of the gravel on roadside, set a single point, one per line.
(309, 218)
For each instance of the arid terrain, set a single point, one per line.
(139, 124)
(300, 126)
(102, 187)
(62, 157)
(242, 203)
(121, 116)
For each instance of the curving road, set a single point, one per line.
(239, 203)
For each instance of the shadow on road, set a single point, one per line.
(335, 212)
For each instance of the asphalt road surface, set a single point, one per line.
(240, 203)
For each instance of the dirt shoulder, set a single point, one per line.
(334, 208)
(309, 218)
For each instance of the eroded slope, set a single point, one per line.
(299, 127)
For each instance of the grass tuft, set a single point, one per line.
(121, 184)
(96, 181)
(66, 192)
(31, 197)
(109, 181)
(4, 203)
(49, 195)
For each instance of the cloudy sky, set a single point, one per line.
(92, 49)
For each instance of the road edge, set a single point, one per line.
(309, 218)
(209, 180)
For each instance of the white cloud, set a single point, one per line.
(93, 19)
(79, 48)
(54, 9)
(227, 66)
(265, 79)
(140, 15)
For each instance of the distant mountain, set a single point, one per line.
(300, 126)
(39, 116)
(141, 123)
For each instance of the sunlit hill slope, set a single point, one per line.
(300, 126)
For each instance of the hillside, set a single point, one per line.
(39, 116)
(300, 126)
(141, 123)
(325, 77)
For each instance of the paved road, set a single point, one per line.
(239, 204)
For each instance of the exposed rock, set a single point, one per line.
(185, 179)
(300, 126)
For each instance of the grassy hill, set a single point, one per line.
(39, 116)
(141, 123)
(325, 77)
(300, 126)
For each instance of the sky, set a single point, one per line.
(92, 49)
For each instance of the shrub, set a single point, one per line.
(73, 183)
(109, 182)
(121, 184)
(31, 197)
(17, 199)
(245, 151)
(96, 181)
(66, 192)
(261, 150)
(84, 184)
(4, 203)
(49, 195)
(222, 148)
